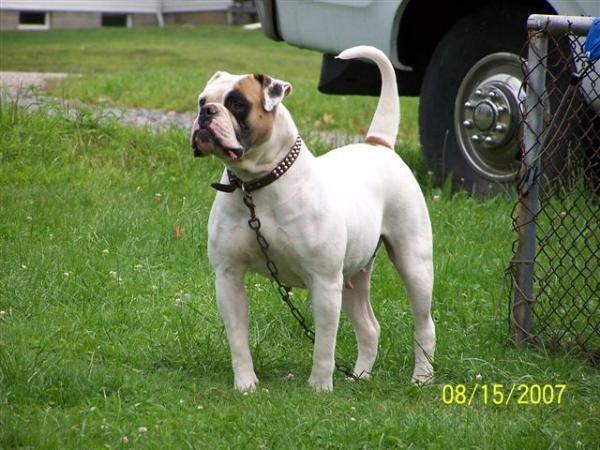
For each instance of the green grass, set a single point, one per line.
(95, 344)
(114, 68)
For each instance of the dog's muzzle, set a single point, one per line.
(215, 132)
(200, 136)
(201, 133)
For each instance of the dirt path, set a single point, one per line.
(14, 82)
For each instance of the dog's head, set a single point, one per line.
(235, 114)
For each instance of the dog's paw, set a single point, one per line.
(422, 378)
(246, 383)
(362, 374)
(323, 384)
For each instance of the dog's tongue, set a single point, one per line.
(235, 153)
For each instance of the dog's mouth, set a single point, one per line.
(235, 153)
(205, 135)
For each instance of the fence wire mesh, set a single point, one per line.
(556, 265)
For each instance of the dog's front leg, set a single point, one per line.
(233, 305)
(326, 295)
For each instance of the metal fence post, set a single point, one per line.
(525, 255)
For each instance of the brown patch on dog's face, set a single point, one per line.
(258, 121)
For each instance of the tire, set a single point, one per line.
(475, 43)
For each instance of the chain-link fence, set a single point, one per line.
(556, 265)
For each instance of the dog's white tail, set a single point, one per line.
(384, 126)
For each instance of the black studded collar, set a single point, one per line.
(252, 185)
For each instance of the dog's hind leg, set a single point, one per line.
(357, 305)
(412, 257)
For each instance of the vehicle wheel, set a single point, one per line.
(469, 115)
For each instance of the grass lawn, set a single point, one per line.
(110, 335)
(114, 67)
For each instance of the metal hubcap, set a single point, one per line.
(487, 120)
(484, 115)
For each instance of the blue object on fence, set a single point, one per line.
(592, 42)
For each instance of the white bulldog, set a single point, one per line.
(323, 218)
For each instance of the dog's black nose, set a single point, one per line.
(208, 111)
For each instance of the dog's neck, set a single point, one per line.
(263, 158)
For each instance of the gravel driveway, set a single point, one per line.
(28, 89)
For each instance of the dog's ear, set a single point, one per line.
(273, 91)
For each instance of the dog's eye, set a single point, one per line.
(236, 106)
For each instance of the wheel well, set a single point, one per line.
(423, 28)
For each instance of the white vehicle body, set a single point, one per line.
(463, 59)
(301, 22)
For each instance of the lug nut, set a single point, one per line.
(501, 109)
(468, 105)
(492, 94)
(489, 140)
(467, 124)
(478, 92)
(500, 127)
(475, 138)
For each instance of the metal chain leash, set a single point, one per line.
(284, 291)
